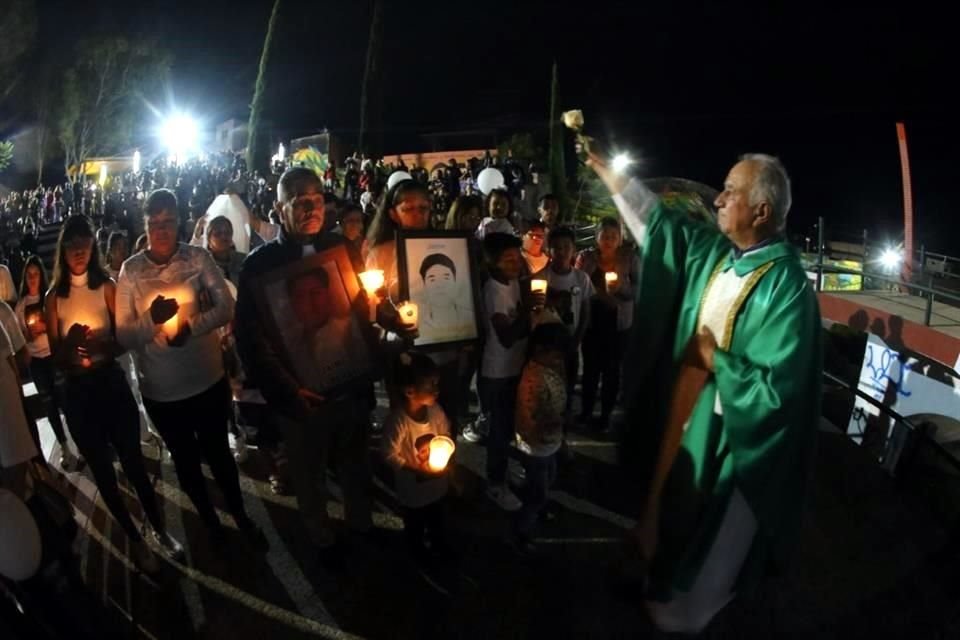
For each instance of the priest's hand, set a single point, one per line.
(701, 349)
(599, 161)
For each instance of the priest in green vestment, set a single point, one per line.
(723, 380)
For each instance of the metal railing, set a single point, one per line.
(929, 293)
(892, 459)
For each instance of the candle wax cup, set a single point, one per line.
(441, 448)
(372, 280)
(408, 313)
(172, 326)
(538, 286)
(611, 279)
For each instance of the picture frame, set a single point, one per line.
(437, 270)
(308, 304)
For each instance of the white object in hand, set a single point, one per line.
(573, 119)
(538, 286)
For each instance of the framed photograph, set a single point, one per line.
(308, 304)
(437, 272)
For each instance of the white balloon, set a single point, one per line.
(20, 547)
(396, 177)
(490, 179)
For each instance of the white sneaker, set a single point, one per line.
(238, 445)
(505, 499)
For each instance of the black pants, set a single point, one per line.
(195, 430)
(420, 523)
(602, 358)
(44, 377)
(102, 413)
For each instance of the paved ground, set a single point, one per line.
(876, 559)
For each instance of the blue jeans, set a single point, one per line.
(541, 474)
(500, 400)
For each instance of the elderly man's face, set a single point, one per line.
(735, 216)
(302, 213)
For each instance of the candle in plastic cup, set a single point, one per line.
(408, 314)
(441, 448)
(372, 280)
(611, 278)
(538, 286)
(172, 327)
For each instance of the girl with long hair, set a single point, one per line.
(80, 317)
(611, 316)
(30, 313)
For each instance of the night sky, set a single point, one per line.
(686, 85)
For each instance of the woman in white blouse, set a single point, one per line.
(80, 311)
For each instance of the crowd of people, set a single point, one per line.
(156, 311)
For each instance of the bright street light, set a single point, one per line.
(621, 161)
(890, 258)
(179, 135)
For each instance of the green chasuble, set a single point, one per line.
(753, 426)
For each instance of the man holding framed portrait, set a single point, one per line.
(304, 335)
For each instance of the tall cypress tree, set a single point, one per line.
(558, 172)
(371, 93)
(258, 153)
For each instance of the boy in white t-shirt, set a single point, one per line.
(507, 311)
(569, 290)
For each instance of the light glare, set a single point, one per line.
(621, 161)
(890, 258)
(179, 134)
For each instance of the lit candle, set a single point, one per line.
(32, 320)
(441, 448)
(172, 326)
(408, 314)
(538, 286)
(372, 282)
(611, 278)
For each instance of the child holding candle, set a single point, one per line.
(572, 290)
(30, 312)
(408, 430)
(507, 309)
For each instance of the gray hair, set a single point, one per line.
(771, 185)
